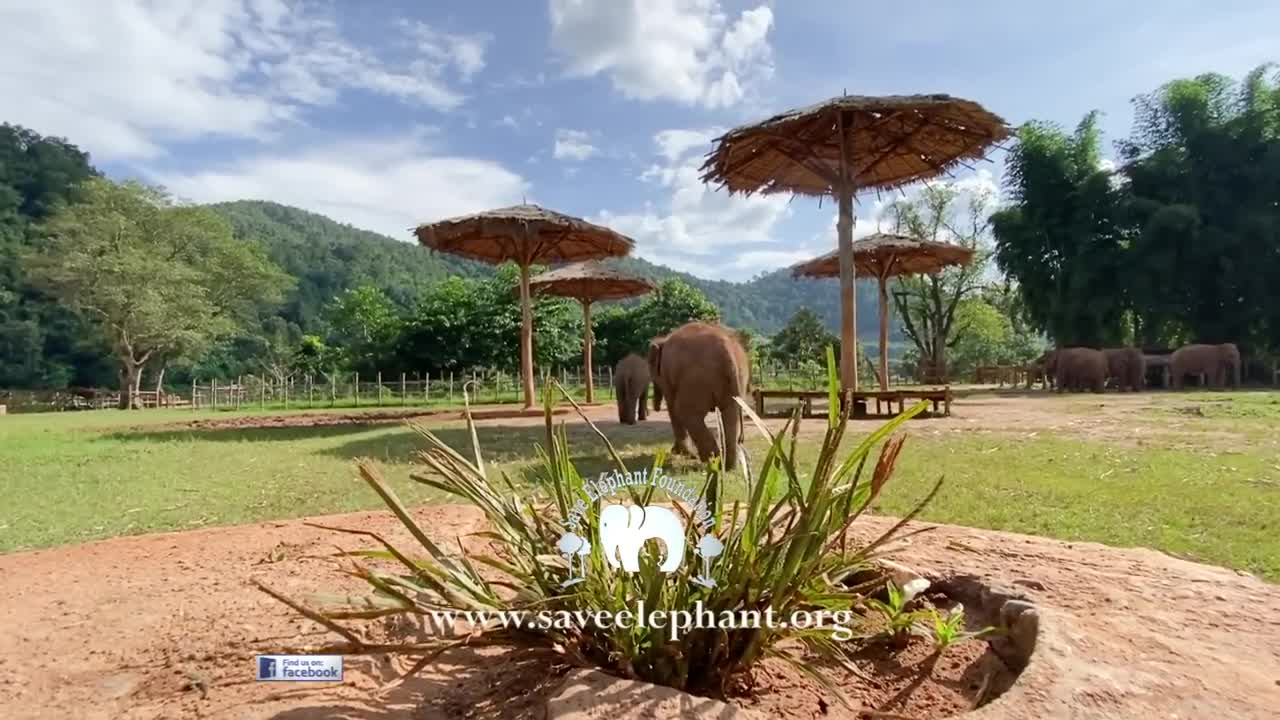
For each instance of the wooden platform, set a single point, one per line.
(886, 403)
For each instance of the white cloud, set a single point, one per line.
(698, 226)
(573, 145)
(682, 50)
(123, 78)
(508, 121)
(465, 53)
(383, 184)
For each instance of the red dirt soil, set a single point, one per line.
(165, 626)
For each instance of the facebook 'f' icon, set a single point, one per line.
(266, 668)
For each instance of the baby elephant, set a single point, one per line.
(1127, 366)
(631, 386)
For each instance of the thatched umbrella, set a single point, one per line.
(526, 235)
(588, 282)
(847, 144)
(883, 256)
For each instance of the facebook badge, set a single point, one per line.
(299, 668)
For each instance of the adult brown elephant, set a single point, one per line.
(1044, 368)
(699, 368)
(1229, 356)
(1127, 366)
(631, 386)
(1079, 368)
(1202, 360)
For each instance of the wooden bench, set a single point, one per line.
(888, 403)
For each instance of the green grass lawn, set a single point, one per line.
(71, 477)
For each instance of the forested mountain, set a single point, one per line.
(328, 257)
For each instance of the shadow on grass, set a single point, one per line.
(511, 448)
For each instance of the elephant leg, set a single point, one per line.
(631, 556)
(701, 434)
(642, 409)
(681, 433)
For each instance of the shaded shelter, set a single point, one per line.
(588, 282)
(526, 235)
(847, 144)
(884, 255)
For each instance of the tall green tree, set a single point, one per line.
(1061, 236)
(1202, 167)
(42, 342)
(927, 305)
(161, 280)
(804, 337)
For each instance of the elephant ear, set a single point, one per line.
(635, 515)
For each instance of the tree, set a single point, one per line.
(365, 324)
(1061, 237)
(42, 342)
(161, 280)
(803, 338)
(927, 305)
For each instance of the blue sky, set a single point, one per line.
(387, 113)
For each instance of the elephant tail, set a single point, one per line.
(657, 397)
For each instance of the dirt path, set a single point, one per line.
(165, 626)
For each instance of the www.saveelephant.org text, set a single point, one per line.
(677, 622)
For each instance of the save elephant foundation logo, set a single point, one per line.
(624, 529)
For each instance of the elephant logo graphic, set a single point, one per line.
(625, 528)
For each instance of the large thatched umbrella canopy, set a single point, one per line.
(847, 144)
(526, 235)
(588, 282)
(883, 256)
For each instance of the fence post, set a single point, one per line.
(609, 374)
(404, 400)
(239, 389)
(426, 388)
(311, 398)
(333, 389)
(450, 387)
(262, 394)
(286, 393)
(357, 376)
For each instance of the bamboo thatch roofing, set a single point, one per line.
(527, 234)
(887, 142)
(590, 281)
(886, 255)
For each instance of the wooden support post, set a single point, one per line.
(193, 395)
(357, 379)
(311, 398)
(378, 379)
(333, 389)
(285, 383)
(404, 398)
(450, 387)
(213, 393)
(884, 334)
(426, 388)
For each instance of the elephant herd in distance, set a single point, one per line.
(1080, 368)
(697, 368)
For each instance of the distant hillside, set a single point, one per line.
(328, 257)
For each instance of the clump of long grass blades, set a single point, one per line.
(782, 546)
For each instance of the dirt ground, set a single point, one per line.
(165, 626)
(1131, 419)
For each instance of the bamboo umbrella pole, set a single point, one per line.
(848, 301)
(588, 339)
(884, 332)
(526, 336)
